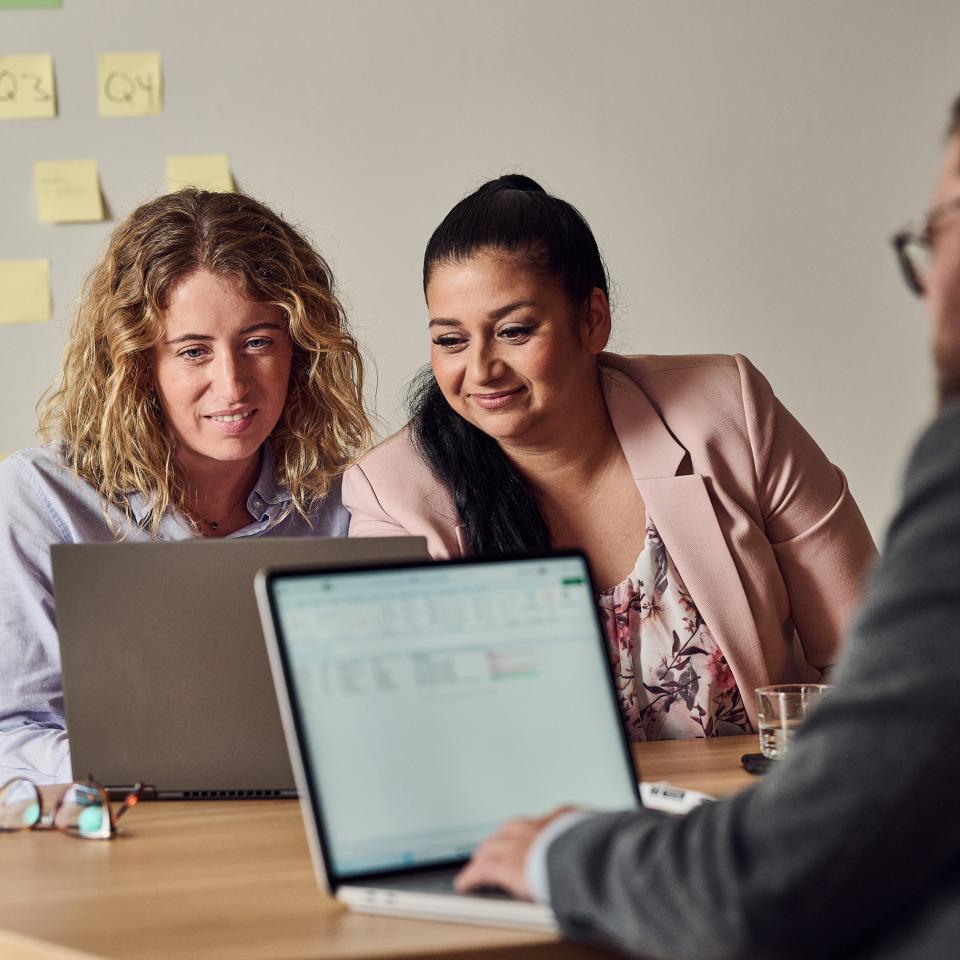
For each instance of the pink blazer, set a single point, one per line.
(761, 526)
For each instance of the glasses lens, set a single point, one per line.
(83, 811)
(19, 805)
(918, 254)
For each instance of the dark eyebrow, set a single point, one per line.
(497, 314)
(501, 312)
(254, 328)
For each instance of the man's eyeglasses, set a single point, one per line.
(83, 809)
(915, 243)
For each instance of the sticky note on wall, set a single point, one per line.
(26, 86)
(68, 191)
(24, 291)
(208, 171)
(129, 84)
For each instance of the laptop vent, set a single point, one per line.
(231, 794)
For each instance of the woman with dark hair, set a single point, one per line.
(728, 550)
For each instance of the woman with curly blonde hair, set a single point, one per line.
(211, 388)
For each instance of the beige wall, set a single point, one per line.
(742, 163)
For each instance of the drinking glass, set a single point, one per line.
(780, 710)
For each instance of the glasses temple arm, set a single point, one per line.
(129, 801)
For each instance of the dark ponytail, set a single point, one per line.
(514, 215)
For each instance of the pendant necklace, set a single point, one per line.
(215, 524)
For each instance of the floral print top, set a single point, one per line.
(672, 679)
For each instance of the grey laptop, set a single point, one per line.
(426, 703)
(166, 678)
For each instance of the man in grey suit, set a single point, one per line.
(851, 845)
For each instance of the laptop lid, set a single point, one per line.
(427, 703)
(165, 673)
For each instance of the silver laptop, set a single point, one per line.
(424, 704)
(165, 674)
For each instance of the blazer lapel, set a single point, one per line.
(650, 448)
(685, 517)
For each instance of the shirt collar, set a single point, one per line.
(268, 500)
(267, 497)
(266, 486)
(140, 508)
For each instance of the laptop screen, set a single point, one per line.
(436, 701)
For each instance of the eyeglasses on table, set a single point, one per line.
(82, 810)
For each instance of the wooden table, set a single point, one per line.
(233, 880)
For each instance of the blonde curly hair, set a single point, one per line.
(103, 410)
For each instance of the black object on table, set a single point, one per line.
(756, 763)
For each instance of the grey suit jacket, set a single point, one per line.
(851, 846)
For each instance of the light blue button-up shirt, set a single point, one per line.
(43, 503)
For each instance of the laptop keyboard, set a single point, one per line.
(437, 881)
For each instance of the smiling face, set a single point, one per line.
(221, 371)
(510, 352)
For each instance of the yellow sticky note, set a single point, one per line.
(129, 84)
(26, 86)
(208, 171)
(24, 291)
(68, 191)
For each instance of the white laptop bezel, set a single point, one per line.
(361, 891)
